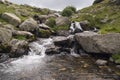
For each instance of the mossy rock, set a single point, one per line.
(44, 33)
(116, 58)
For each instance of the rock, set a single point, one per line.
(117, 2)
(52, 50)
(118, 66)
(18, 48)
(85, 25)
(29, 25)
(11, 18)
(44, 33)
(9, 26)
(60, 21)
(3, 1)
(3, 57)
(23, 33)
(61, 41)
(97, 1)
(5, 37)
(62, 33)
(92, 42)
(101, 62)
(41, 18)
(43, 26)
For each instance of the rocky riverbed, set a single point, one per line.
(63, 66)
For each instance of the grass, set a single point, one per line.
(20, 37)
(64, 27)
(95, 13)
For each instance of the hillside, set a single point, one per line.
(22, 11)
(104, 15)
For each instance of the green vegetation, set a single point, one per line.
(44, 33)
(22, 11)
(64, 27)
(116, 58)
(51, 22)
(104, 15)
(20, 37)
(68, 11)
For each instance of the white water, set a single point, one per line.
(32, 61)
(75, 26)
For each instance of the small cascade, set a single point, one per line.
(31, 61)
(75, 27)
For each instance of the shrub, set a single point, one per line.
(68, 11)
(51, 22)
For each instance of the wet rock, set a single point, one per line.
(52, 50)
(60, 21)
(3, 57)
(29, 25)
(101, 62)
(61, 41)
(92, 42)
(18, 47)
(11, 18)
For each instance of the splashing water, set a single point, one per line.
(33, 60)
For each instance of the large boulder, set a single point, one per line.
(29, 25)
(5, 37)
(60, 21)
(18, 47)
(11, 18)
(95, 43)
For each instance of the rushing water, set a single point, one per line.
(38, 66)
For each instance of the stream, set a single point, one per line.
(39, 66)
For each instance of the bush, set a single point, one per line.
(51, 22)
(68, 11)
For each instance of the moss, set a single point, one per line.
(64, 27)
(116, 58)
(44, 33)
(20, 37)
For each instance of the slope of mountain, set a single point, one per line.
(104, 15)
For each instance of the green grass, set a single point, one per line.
(64, 27)
(95, 13)
(19, 37)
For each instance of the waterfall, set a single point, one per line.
(75, 27)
